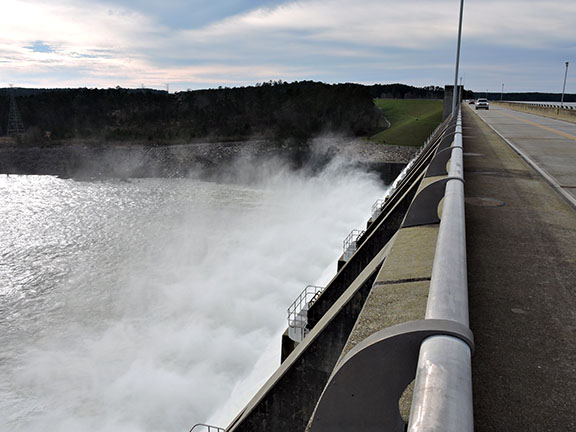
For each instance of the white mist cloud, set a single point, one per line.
(176, 297)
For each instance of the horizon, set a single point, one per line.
(259, 84)
(235, 43)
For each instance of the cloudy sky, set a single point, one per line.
(193, 44)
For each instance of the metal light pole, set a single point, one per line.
(564, 87)
(502, 92)
(455, 92)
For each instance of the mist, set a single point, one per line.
(171, 311)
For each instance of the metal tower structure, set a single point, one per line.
(15, 124)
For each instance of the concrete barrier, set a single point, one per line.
(555, 112)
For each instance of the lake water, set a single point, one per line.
(154, 304)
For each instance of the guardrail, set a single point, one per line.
(443, 387)
(566, 105)
(365, 387)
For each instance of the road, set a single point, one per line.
(520, 238)
(549, 144)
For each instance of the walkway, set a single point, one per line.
(521, 239)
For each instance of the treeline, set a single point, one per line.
(271, 110)
(403, 91)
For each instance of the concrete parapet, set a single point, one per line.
(400, 291)
(566, 114)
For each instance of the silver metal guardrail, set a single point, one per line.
(442, 398)
(365, 388)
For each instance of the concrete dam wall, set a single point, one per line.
(384, 281)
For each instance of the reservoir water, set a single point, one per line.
(154, 304)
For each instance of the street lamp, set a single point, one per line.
(564, 87)
(455, 92)
(502, 92)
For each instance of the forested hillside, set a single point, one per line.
(272, 110)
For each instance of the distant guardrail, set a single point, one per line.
(544, 109)
(566, 105)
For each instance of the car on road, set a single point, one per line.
(482, 103)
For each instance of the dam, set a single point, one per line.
(476, 312)
(76, 268)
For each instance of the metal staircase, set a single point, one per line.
(298, 312)
(350, 244)
(198, 427)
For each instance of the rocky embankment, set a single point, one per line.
(202, 160)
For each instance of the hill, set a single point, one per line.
(271, 110)
(411, 120)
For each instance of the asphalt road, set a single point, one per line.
(520, 238)
(548, 143)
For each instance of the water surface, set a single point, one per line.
(154, 304)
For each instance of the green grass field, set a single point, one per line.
(412, 120)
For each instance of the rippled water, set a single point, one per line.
(154, 304)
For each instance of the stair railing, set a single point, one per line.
(350, 245)
(208, 428)
(298, 312)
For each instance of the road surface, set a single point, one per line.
(548, 143)
(520, 238)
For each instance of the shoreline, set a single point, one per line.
(203, 160)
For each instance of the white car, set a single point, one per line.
(482, 103)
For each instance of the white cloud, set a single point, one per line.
(418, 24)
(371, 22)
(100, 44)
(534, 24)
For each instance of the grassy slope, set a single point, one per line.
(412, 120)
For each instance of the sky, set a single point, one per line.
(194, 44)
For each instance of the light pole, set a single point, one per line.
(502, 92)
(455, 92)
(564, 87)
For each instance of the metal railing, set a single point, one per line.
(542, 104)
(442, 398)
(377, 208)
(204, 427)
(350, 245)
(367, 383)
(298, 312)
